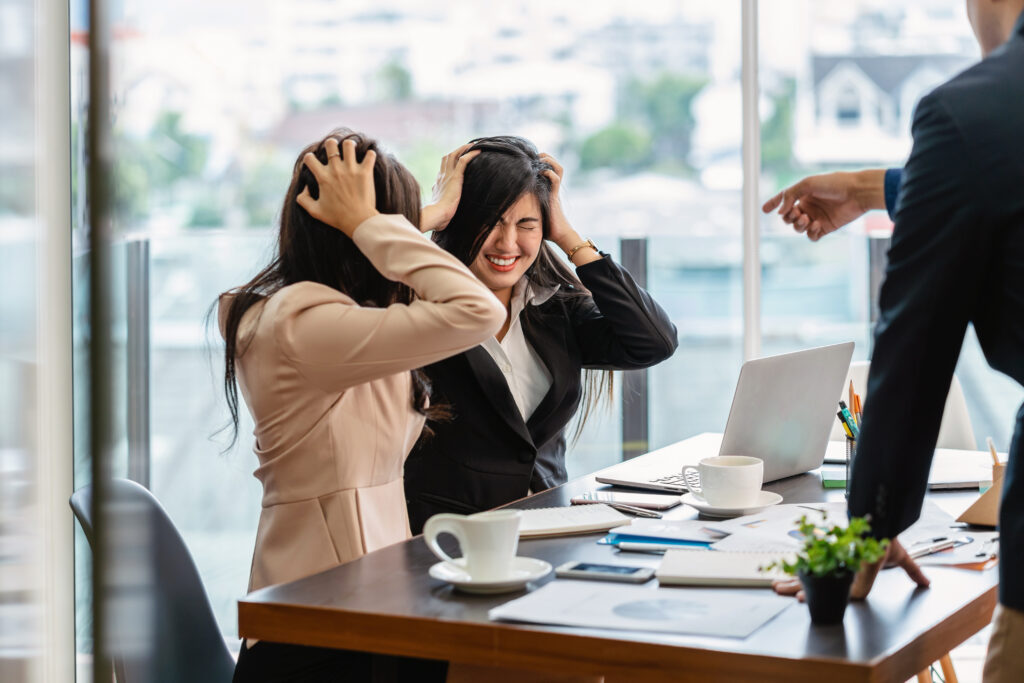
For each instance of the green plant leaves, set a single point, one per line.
(830, 550)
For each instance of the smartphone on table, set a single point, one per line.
(604, 572)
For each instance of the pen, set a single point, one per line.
(931, 548)
(992, 543)
(651, 548)
(849, 419)
(633, 510)
(853, 397)
(992, 450)
(846, 427)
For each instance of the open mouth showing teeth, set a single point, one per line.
(503, 262)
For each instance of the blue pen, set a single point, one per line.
(849, 420)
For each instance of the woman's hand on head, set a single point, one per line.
(560, 231)
(447, 189)
(347, 197)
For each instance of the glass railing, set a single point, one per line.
(812, 294)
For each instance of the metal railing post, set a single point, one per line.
(137, 267)
(634, 382)
(878, 259)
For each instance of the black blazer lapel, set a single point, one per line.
(494, 385)
(546, 334)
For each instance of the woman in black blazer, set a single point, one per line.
(509, 408)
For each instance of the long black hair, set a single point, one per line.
(310, 250)
(507, 168)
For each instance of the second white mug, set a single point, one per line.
(726, 481)
(488, 541)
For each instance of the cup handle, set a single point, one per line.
(698, 492)
(442, 524)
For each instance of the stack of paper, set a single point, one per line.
(717, 568)
(578, 519)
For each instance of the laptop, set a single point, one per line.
(951, 469)
(782, 412)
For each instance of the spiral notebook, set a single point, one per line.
(578, 519)
(718, 568)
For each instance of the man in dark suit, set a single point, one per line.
(957, 256)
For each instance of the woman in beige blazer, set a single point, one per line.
(324, 344)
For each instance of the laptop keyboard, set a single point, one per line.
(675, 481)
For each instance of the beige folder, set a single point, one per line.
(985, 510)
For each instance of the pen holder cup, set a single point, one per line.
(851, 452)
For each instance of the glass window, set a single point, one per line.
(641, 103)
(213, 103)
(21, 608)
(894, 52)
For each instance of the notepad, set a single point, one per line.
(717, 568)
(578, 519)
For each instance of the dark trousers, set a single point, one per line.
(282, 663)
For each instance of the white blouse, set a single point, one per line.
(527, 376)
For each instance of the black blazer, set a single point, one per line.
(957, 257)
(487, 455)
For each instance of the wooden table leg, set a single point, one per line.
(925, 676)
(948, 672)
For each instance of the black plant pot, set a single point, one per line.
(827, 596)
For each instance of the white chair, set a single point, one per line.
(955, 431)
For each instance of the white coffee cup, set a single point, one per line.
(488, 541)
(726, 481)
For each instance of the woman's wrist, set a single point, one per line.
(583, 253)
(357, 219)
(568, 239)
(432, 217)
(578, 250)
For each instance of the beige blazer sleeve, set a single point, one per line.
(337, 344)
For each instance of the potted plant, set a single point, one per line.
(827, 560)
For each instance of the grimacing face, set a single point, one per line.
(511, 247)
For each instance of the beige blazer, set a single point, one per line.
(327, 383)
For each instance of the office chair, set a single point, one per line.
(955, 431)
(154, 575)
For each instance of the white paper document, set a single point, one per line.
(672, 530)
(934, 525)
(774, 529)
(590, 604)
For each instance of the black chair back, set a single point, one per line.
(160, 622)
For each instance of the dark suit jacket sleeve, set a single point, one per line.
(621, 327)
(936, 266)
(892, 190)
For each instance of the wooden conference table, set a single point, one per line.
(385, 602)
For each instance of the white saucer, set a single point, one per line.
(524, 570)
(764, 499)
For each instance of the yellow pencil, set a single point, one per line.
(992, 450)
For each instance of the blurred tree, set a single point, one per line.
(395, 82)
(174, 154)
(423, 160)
(263, 189)
(207, 212)
(777, 131)
(149, 170)
(622, 146)
(663, 106)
